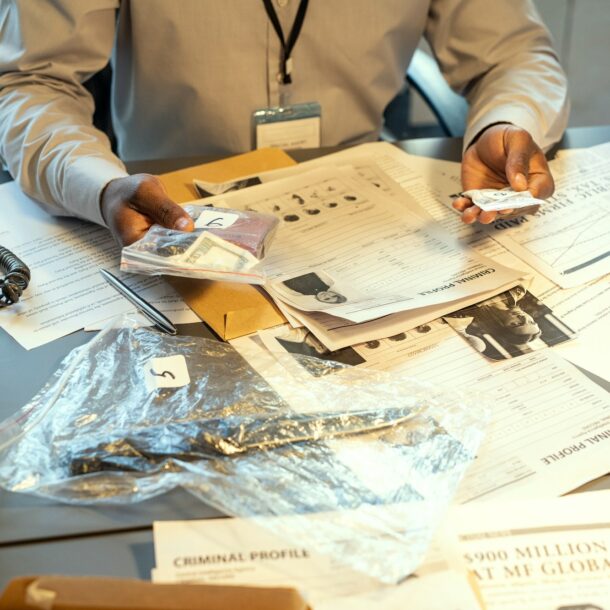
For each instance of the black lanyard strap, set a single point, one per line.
(287, 46)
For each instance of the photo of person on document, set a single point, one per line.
(313, 290)
(508, 325)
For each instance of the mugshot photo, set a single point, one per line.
(312, 291)
(509, 325)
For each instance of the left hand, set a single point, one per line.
(502, 156)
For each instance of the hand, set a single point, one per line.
(131, 205)
(503, 156)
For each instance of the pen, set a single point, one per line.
(154, 315)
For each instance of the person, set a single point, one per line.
(188, 75)
(500, 318)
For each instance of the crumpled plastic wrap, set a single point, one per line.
(226, 245)
(361, 466)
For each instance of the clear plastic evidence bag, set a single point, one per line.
(226, 245)
(355, 463)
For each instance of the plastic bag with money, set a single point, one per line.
(226, 245)
(355, 463)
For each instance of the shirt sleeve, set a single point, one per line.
(47, 138)
(499, 55)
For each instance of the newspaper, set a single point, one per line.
(549, 554)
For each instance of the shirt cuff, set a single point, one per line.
(86, 178)
(518, 116)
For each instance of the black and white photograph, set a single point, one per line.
(509, 325)
(312, 290)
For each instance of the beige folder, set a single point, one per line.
(99, 593)
(232, 310)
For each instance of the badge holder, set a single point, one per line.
(287, 126)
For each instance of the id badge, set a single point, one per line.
(288, 127)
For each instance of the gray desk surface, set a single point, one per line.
(43, 536)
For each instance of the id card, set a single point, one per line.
(288, 127)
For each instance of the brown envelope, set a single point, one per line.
(232, 310)
(99, 593)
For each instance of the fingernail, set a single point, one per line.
(521, 181)
(182, 224)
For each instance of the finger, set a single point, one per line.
(129, 226)
(169, 214)
(471, 214)
(486, 218)
(519, 148)
(541, 183)
(151, 200)
(461, 203)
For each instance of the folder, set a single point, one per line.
(231, 310)
(98, 593)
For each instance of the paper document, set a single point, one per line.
(568, 240)
(544, 439)
(336, 333)
(66, 292)
(346, 249)
(585, 308)
(536, 555)
(239, 552)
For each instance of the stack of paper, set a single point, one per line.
(347, 256)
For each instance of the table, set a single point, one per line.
(40, 536)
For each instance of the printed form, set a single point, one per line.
(67, 292)
(240, 552)
(584, 308)
(568, 240)
(550, 424)
(351, 242)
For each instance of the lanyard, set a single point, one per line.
(287, 46)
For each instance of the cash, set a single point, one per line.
(211, 251)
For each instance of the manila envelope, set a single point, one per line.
(232, 310)
(100, 593)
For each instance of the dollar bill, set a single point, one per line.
(210, 251)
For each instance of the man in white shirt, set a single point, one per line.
(188, 75)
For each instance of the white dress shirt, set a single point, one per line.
(189, 73)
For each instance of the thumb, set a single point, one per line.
(519, 148)
(169, 214)
(152, 200)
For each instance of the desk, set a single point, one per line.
(39, 536)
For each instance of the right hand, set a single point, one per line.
(131, 205)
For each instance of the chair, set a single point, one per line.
(449, 108)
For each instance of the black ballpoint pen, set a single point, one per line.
(154, 315)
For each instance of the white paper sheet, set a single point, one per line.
(550, 426)
(568, 239)
(336, 333)
(378, 258)
(536, 555)
(584, 308)
(66, 292)
(238, 552)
